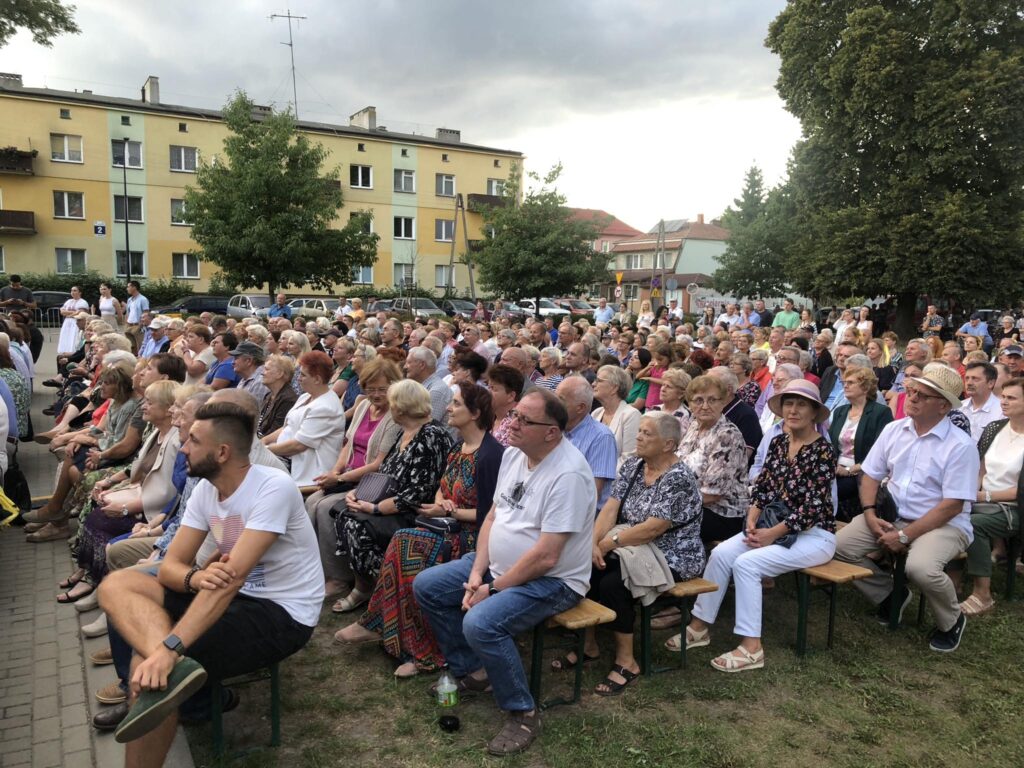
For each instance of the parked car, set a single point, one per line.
(547, 308)
(516, 313)
(460, 307)
(575, 307)
(48, 304)
(194, 305)
(382, 305)
(418, 307)
(243, 305)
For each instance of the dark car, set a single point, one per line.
(382, 305)
(49, 299)
(459, 307)
(195, 304)
(516, 314)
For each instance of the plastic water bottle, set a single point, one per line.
(447, 690)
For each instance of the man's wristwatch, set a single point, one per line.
(173, 643)
(492, 590)
(124, 510)
(615, 538)
(904, 539)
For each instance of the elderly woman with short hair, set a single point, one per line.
(673, 393)
(760, 373)
(550, 362)
(278, 371)
(611, 387)
(747, 389)
(1005, 329)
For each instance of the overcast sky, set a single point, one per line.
(656, 108)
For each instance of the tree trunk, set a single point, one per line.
(904, 326)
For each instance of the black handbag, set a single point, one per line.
(885, 504)
(772, 515)
(441, 525)
(380, 528)
(375, 487)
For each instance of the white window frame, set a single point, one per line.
(119, 143)
(183, 222)
(631, 291)
(126, 204)
(659, 259)
(441, 274)
(412, 228)
(496, 187)
(68, 253)
(186, 258)
(441, 182)
(67, 206)
(182, 156)
(353, 214)
(369, 173)
(66, 157)
(634, 261)
(408, 274)
(405, 178)
(443, 227)
(359, 276)
(135, 274)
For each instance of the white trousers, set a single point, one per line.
(746, 566)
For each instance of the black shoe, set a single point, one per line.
(108, 718)
(55, 383)
(885, 607)
(949, 641)
(49, 411)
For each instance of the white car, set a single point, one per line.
(547, 308)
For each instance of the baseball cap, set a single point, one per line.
(253, 350)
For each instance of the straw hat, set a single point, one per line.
(800, 388)
(943, 380)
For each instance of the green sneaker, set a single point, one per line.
(153, 707)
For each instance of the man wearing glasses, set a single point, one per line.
(932, 471)
(532, 561)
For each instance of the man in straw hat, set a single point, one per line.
(932, 472)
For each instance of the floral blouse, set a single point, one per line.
(719, 460)
(804, 484)
(675, 496)
(749, 393)
(417, 468)
(501, 431)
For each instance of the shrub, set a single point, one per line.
(158, 292)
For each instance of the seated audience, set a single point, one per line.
(611, 387)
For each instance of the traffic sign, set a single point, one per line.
(618, 278)
(656, 294)
(656, 282)
(671, 283)
(99, 228)
(618, 291)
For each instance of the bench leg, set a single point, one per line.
(217, 718)
(803, 597)
(645, 639)
(537, 662)
(833, 601)
(275, 706)
(577, 685)
(899, 580)
(1012, 552)
(684, 614)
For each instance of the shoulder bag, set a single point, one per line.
(772, 515)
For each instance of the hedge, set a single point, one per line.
(158, 292)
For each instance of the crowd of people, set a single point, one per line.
(450, 484)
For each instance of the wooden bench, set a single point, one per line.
(827, 577)
(270, 673)
(683, 592)
(577, 620)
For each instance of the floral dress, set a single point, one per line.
(749, 393)
(718, 458)
(501, 431)
(803, 483)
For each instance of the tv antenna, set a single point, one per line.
(291, 48)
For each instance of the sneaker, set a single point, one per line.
(151, 708)
(97, 628)
(949, 640)
(102, 658)
(111, 694)
(885, 607)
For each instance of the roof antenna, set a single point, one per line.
(291, 47)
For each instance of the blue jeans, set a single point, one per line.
(485, 636)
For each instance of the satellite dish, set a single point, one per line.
(692, 289)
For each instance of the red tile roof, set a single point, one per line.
(694, 230)
(615, 228)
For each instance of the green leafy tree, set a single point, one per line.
(910, 173)
(263, 212)
(534, 246)
(45, 19)
(752, 264)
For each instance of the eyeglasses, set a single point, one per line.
(701, 402)
(376, 390)
(516, 416)
(916, 394)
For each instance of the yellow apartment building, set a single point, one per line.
(91, 182)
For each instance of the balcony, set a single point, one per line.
(16, 161)
(476, 203)
(17, 222)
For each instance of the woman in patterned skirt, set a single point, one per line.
(465, 494)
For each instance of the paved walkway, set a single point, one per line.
(47, 684)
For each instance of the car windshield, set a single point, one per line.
(460, 304)
(331, 304)
(260, 301)
(545, 304)
(424, 304)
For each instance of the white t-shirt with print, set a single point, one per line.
(557, 496)
(290, 573)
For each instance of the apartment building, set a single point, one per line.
(97, 182)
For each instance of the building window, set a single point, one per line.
(405, 152)
(497, 163)
(185, 266)
(360, 176)
(631, 291)
(138, 264)
(70, 261)
(496, 187)
(405, 181)
(659, 260)
(404, 275)
(360, 147)
(444, 230)
(182, 127)
(178, 212)
(444, 185)
(367, 222)
(65, 114)
(606, 246)
(134, 153)
(442, 273)
(362, 276)
(633, 261)
(183, 159)
(444, 157)
(65, 148)
(405, 228)
(134, 209)
(126, 120)
(68, 205)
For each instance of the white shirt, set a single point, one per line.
(289, 574)
(923, 470)
(981, 417)
(557, 496)
(727, 320)
(320, 426)
(1003, 461)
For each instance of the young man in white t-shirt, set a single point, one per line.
(532, 560)
(193, 622)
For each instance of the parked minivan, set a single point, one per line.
(418, 307)
(243, 305)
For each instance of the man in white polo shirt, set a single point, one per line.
(981, 406)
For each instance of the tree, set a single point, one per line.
(909, 176)
(752, 264)
(536, 247)
(263, 212)
(45, 19)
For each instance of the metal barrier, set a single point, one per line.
(49, 318)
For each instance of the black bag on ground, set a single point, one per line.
(17, 490)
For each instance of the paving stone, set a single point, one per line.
(45, 729)
(46, 686)
(13, 759)
(46, 755)
(75, 739)
(74, 715)
(21, 709)
(45, 706)
(78, 759)
(14, 734)
(72, 694)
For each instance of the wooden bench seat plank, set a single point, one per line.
(692, 587)
(837, 572)
(586, 613)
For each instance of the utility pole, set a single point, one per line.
(127, 237)
(291, 47)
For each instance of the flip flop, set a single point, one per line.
(70, 581)
(613, 688)
(66, 598)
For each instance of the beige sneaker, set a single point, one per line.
(111, 694)
(96, 628)
(100, 658)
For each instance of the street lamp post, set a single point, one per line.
(127, 240)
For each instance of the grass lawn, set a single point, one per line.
(880, 698)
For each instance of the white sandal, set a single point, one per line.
(351, 601)
(738, 660)
(693, 640)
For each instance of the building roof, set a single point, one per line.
(614, 229)
(138, 105)
(694, 230)
(643, 276)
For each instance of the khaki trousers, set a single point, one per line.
(127, 552)
(926, 566)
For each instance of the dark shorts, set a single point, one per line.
(251, 634)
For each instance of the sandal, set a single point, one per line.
(49, 532)
(66, 598)
(693, 640)
(520, 731)
(738, 660)
(466, 686)
(564, 663)
(340, 638)
(351, 601)
(974, 606)
(612, 688)
(73, 579)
